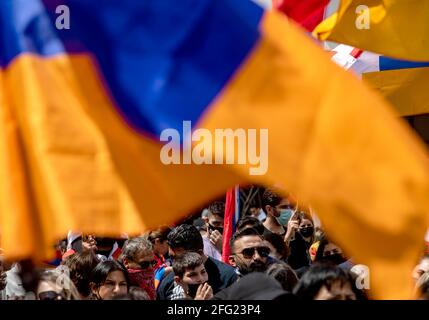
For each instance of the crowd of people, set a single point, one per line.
(278, 251)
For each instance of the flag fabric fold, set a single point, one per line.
(381, 26)
(401, 82)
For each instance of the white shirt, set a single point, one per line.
(210, 250)
(14, 288)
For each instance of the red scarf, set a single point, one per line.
(160, 261)
(143, 279)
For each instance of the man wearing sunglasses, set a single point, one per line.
(137, 256)
(249, 252)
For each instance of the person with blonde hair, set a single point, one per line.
(422, 286)
(56, 285)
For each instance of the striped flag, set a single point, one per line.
(232, 215)
(401, 82)
(115, 252)
(390, 27)
(307, 13)
(362, 62)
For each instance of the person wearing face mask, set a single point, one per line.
(191, 278)
(214, 236)
(299, 238)
(278, 210)
(186, 238)
(330, 253)
(138, 258)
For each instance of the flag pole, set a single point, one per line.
(232, 214)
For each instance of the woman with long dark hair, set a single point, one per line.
(109, 280)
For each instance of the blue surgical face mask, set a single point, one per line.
(284, 217)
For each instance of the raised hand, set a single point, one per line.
(204, 292)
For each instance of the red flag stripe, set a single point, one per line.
(307, 13)
(228, 224)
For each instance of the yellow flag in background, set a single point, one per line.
(396, 28)
(405, 89)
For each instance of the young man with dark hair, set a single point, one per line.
(186, 238)
(183, 239)
(191, 277)
(80, 266)
(214, 236)
(278, 210)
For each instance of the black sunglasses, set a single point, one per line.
(213, 228)
(147, 264)
(50, 295)
(262, 251)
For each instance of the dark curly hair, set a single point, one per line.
(319, 275)
(270, 198)
(217, 208)
(186, 236)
